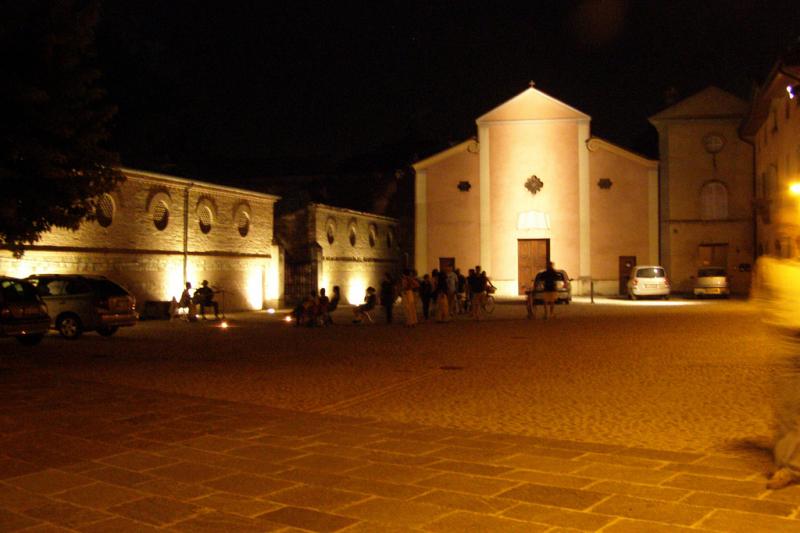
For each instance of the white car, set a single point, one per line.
(648, 281)
(711, 281)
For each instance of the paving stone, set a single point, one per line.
(168, 435)
(402, 446)
(99, 495)
(118, 525)
(790, 494)
(66, 514)
(654, 510)
(190, 455)
(661, 455)
(466, 521)
(545, 478)
(324, 463)
(392, 473)
(395, 512)
(475, 455)
(13, 521)
(244, 464)
(625, 460)
(541, 463)
(189, 472)
(118, 476)
(351, 439)
(236, 504)
(48, 528)
(642, 491)
(137, 461)
(624, 473)
(735, 522)
(627, 525)
(308, 519)
(483, 486)
(217, 521)
(708, 470)
(15, 499)
(156, 510)
(325, 448)
(480, 444)
(556, 496)
(736, 503)
(248, 484)
(546, 452)
(173, 489)
(399, 458)
(464, 502)
(14, 468)
(469, 468)
(713, 484)
(318, 498)
(558, 517)
(266, 453)
(49, 481)
(381, 488)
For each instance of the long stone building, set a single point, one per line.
(154, 232)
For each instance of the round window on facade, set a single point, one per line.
(243, 223)
(160, 216)
(373, 235)
(105, 210)
(204, 218)
(330, 232)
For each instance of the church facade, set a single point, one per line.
(535, 186)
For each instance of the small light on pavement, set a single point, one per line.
(270, 311)
(288, 318)
(224, 324)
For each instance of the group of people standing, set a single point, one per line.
(446, 292)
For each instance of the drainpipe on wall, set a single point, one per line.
(186, 231)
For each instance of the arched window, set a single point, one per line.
(714, 201)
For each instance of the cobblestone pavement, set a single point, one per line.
(608, 418)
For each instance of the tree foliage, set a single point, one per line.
(55, 119)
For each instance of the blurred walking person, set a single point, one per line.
(425, 294)
(388, 295)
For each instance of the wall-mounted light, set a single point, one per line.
(464, 186)
(794, 188)
(792, 90)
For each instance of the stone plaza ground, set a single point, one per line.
(615, 416)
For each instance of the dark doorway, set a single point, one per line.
(626, 262)
(447, 261)
(532, 256)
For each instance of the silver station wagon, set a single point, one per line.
(85, 303)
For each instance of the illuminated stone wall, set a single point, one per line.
(150, 239)
(351, 249)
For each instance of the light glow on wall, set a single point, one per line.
(254, 288)
(794, 188)
(273, 278)
(173, 281)
(356, 289)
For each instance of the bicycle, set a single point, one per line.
(488, 303)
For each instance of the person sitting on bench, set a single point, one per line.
(205, 298)
(362, 311)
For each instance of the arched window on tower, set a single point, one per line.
(714, 201)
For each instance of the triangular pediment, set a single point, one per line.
(711, 102)
(532, 104)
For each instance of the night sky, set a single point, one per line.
(217, 90)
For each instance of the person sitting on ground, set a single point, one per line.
(333, 303)
(205, 298)
(186, 302)
(370, 301)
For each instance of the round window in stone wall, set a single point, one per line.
(160, 215)
(105, 210)
(373, 235)
(243, 223)
(205, 218)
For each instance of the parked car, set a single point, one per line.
(648, 280)
(562, 287)
(22, 313)
(711, 281)
(85, 303)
